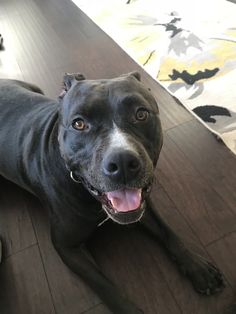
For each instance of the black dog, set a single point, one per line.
(90, 156)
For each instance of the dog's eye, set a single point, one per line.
(80, 125)
(142, 114)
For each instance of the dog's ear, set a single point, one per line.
(68, 80)
(135, 74)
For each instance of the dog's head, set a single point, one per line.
(110, 137)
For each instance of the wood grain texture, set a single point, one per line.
(194, 190)
(224, 251)
(99, 309)
(24, 287)
(194, 196)
(16, 229)
(211, 158)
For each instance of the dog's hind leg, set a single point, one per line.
(78, 259)
(205, 277)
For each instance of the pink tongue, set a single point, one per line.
(125, 200)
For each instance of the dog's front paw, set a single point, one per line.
(205, 277)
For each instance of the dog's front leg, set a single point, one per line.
(80, 261)
(205, 277)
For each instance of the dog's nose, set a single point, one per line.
(121, 166)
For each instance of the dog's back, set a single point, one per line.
(24, 112)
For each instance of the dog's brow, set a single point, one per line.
(131, 99)
(90, 107)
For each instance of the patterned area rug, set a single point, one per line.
(188, 46)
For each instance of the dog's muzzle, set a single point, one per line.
(124, 206)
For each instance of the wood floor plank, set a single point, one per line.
(224, 250)
(9, 67)
(32, 50)
(100, 309)
(24, 287)
(196, 200)
(212, 159)
(16, 228)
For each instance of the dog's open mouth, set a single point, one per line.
(125, 205)
(125, 200)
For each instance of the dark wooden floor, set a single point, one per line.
(195, 189)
